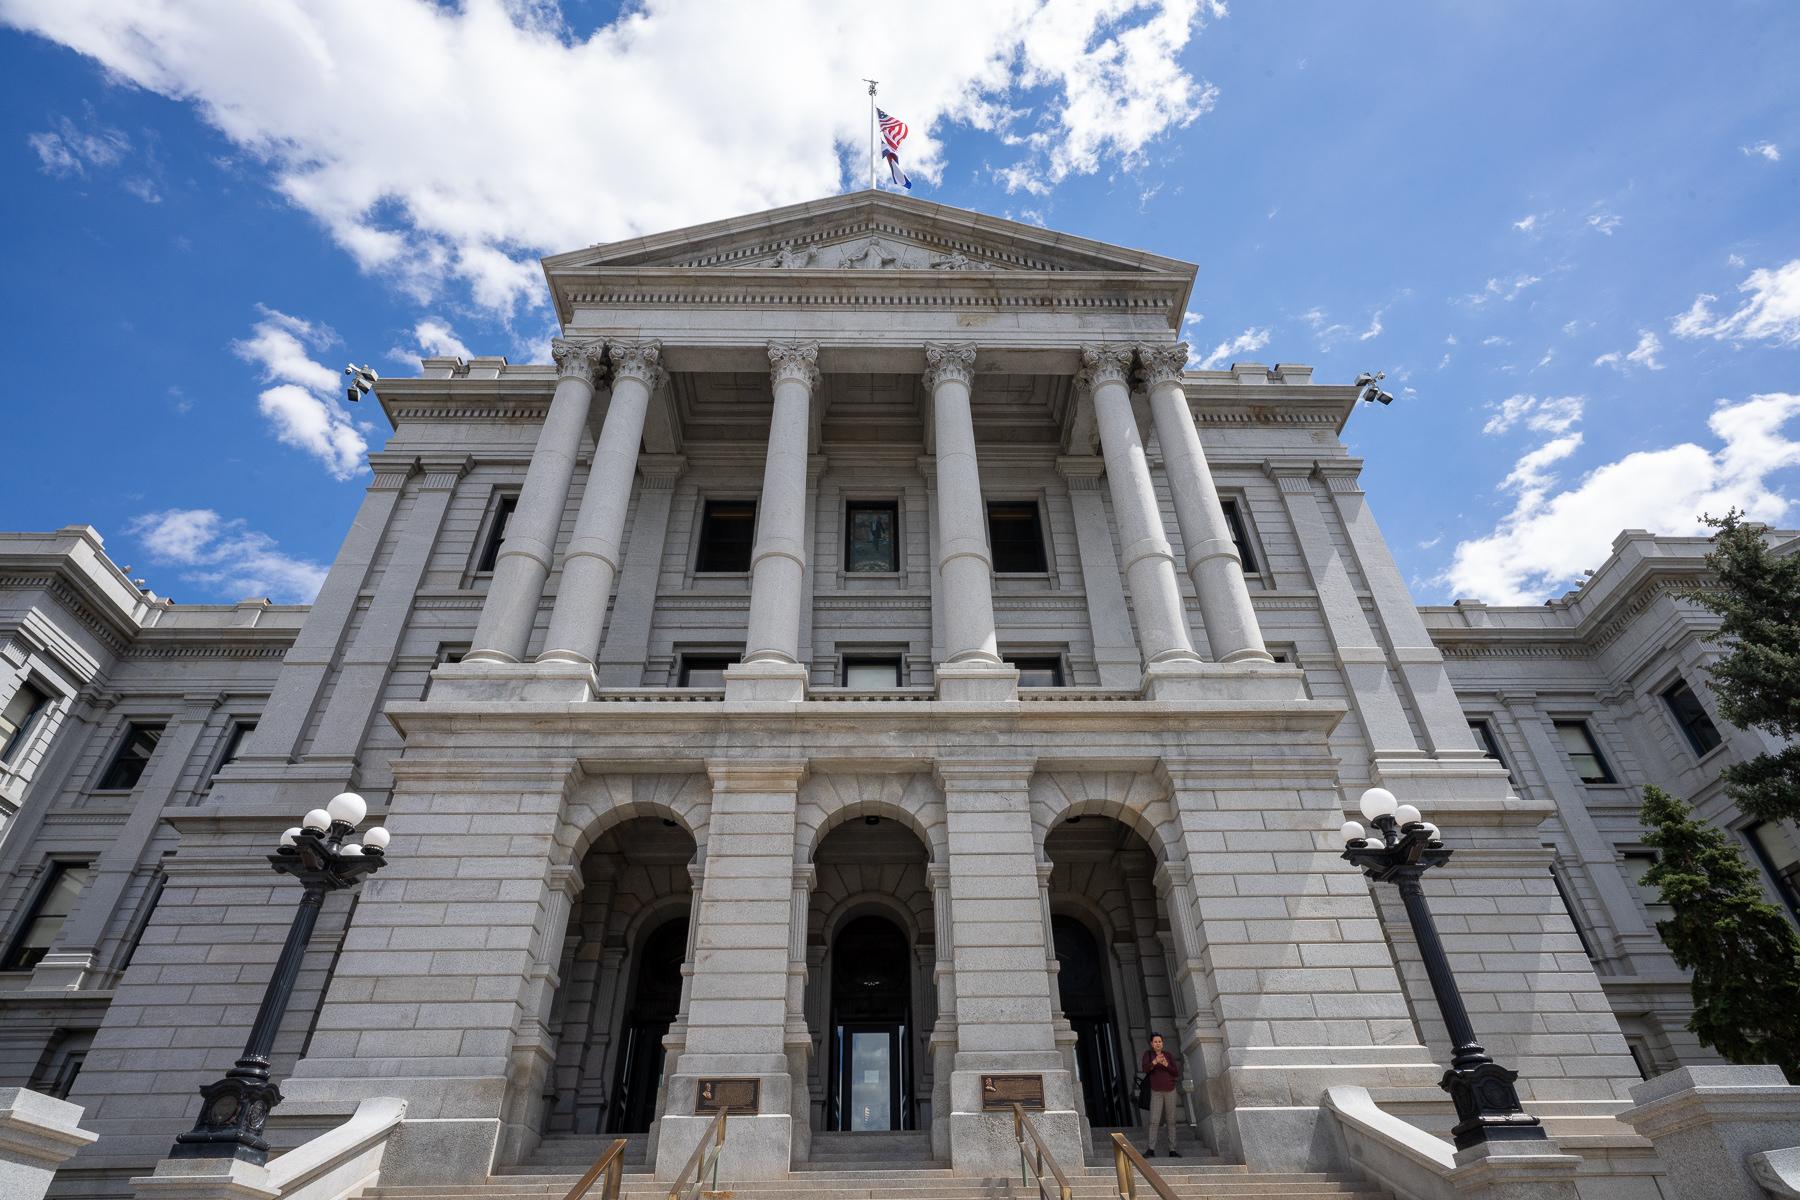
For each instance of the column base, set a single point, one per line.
(759, 1146)
(545, 682)
(982, 1141)
(977, 681)
(765, 683)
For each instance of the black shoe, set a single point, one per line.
(1174, 1154)
(1150, 1153)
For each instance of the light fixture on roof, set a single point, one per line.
(362, 381)
(1368, 389)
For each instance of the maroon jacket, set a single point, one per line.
(1162, 1077)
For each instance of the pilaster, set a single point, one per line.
(1115, 650)
(627, 645)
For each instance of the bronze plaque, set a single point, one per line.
(1004, 1091)
(738, 1097)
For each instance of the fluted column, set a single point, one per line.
(1148, 560)
(1213, 561)
(964, 565)
(591, 562)
(524, 560)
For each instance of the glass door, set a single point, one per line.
(869, 1077)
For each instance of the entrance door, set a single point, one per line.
(871, 1067)
(1081, 987)
(655, 999)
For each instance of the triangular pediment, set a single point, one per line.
(867, 231)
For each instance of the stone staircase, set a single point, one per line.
(896, 1166)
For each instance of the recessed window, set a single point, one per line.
(1484, 737)
(1640, 1056)
(1016, 536)
(19, 720)
(704, 670)
(872, 672)
(61, 1062)
(234, 743)
(1636, 867)
(1240, 535)
(1685, 707)
(1584, 752)
(55, 901)
(1777, 847)
(1037, 670)
(727, 533)
(1568, 903)
(870, 537)
(502, 516)
(133, 755)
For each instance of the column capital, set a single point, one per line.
(442, 474)
(1105, 363)
(392, 471)
(577, 358)
(794, 361)
(661, 471)
(754, 775)
(1162, 362)
(1000, 774)
(1081, 472)
(1291, 475)
(949, 362)
(637, 360)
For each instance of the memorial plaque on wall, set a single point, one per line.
(738, 1097)
(1004, 1091)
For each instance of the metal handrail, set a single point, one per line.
(704, 1158)
(1023, 1126)
(610, 1164)
(1126, 1157)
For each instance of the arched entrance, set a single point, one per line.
(655, 1001)
(871, 1028)
(1082, 986)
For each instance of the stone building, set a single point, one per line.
(866, 661)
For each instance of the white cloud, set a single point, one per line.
(432, 338)
(1374, 329)
(68, 150)
(1547, 414)
(303, 405)
(450, 144)
(1550, 536)
(1545, 361)
(1765, 150)
(1504, 289)
(1604, 222)
(1734, 260)
(1494, 339)
(1772, 313)
(226, 555)
(1527, 223)
(1643, 355)
(1247, 342)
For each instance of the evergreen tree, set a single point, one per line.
(1744, 954)
(1757, 682)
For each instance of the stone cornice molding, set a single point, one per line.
(1161, 363)
(794, 362)
(949, 362)
(391, 473)
(442, 476)
(1105, 364)
(578, 358)
(641, 361)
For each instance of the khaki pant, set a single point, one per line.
(1163, 1106)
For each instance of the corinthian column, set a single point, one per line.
(771, 668)
(1149, 562)
(524, 560)
(1212, 557)
(591, 563)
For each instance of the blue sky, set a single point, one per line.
(1569, 233)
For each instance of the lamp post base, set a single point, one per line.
(233, 1112)
(1487, 1106)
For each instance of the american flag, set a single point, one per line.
(893, 132)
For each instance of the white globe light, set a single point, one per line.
(317, 819)
(1406, 814)
(351, 851)
(287, 838)
(1378, 802)
(1431, 831)
(1352, 831)
(376, 837)
(348, 807)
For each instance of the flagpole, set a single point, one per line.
(874, 179)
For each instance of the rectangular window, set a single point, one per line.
(1685, 707)
(872, 672)
(1240, 535)
(127, 766)
(1484, 737)
(1640, 1055)
(1016, 536)
(1037, 670)
(1568, 903)
(55, 901)
(1777, 846)
(870, 537)
(1636, 866)
(234, 743)
(727, 533)
(504, 508)
(19, 720)
(1584, 752)
(704, 670)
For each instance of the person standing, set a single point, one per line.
(1162, 1071)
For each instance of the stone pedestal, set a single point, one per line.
(37, 1135)
(1707, 1123)
(204, 1179)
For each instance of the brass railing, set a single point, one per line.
(611, 1165)
(1024, 1128)
(704, 1160)
(1127, 1162)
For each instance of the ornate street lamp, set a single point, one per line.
(234, 1109)
(1401, 848)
